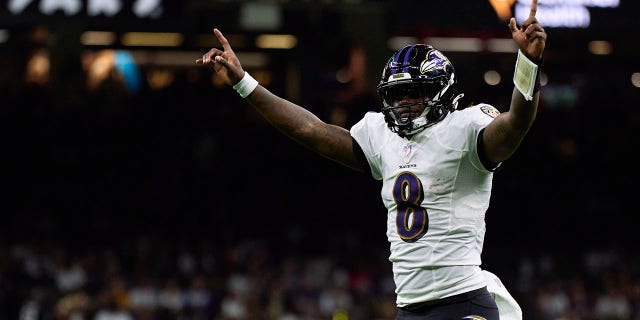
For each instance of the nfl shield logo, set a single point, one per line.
(407, 152)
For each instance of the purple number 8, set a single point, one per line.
(412, 221)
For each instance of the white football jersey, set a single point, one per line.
(508, 306)
(436, 192)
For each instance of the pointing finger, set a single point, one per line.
(223, 41)
(534, 8)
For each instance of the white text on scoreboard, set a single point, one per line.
(563, 13)
(92, 8)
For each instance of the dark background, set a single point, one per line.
(192, 168)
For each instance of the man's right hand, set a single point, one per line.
(224, 62)
(530, 37)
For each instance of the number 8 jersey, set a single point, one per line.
(436, 191)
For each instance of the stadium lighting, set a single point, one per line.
(492, 78)
(544, 79)
(178, 58)
(456, 44)
(4, 35)
(563, 13)
(97, 38)
(600, 47)
(635, 79)
(396, 43)
(276, 41)
(208, 40)
(152, 39)
(502, 45)
(264, 16)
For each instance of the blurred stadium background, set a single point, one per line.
(137, 187)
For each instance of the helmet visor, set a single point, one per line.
(392, 94)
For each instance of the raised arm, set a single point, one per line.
(502, 136)
(328, 140)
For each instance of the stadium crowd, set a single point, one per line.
(149, 278)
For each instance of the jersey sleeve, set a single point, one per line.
(508, 307)
(478, 117)
(365, 132)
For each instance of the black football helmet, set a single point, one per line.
(416, 71)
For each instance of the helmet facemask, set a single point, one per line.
(426, 78)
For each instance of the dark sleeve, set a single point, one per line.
(483, 157)
(362, 159)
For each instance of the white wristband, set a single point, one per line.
(246, 85)
(525, 76)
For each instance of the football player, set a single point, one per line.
(436, 162)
